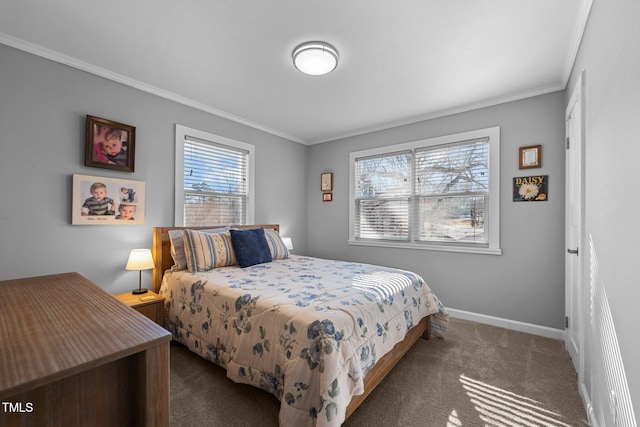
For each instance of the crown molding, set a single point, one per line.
(446, 112)
(55, 56)
(136, 84)
(576, 39)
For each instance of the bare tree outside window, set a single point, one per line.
(445, 189)
(383, 191)
(452, 189)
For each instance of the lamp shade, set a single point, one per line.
(288, 243)
(140, 259)
(315, 58)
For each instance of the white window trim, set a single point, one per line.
(181, 133)
(493, 248)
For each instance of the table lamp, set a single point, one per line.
(288, 243)
(140, 259)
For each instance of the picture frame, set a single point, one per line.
(327, 197)
(326, 181)
(531, 188)
(100, 200)
(109, 144)
(530, 157)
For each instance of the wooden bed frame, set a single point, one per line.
(161, 247)
(163, 261)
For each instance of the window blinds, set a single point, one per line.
(452, 192)
(383, 192)
(215, 183)
(429, 194)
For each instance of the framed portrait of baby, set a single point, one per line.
(107, 201)
(109, 144)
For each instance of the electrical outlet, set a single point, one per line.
(613, 405)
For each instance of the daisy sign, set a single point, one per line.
(530, 188)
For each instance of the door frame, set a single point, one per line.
(579, 319)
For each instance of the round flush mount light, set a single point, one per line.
(315, 58)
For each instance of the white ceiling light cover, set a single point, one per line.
(315, 58)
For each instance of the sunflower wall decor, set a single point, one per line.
(531, 188)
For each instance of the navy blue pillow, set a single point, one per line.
(250, 246)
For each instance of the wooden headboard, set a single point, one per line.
(161, 248)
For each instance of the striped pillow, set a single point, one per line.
(205, 251)
(276, 245)
(177, 246)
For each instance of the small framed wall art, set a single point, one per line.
(530, 157)
(109, 145)
(531, 188)
(100, 201)
(326, 181)
(327, 197)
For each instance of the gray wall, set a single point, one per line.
(43, 105)
(42, 111)
(526, 282)
(611, 63)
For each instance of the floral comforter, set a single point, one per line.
(304, 329)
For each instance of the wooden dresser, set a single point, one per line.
(73, 355)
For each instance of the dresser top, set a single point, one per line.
(55, 326)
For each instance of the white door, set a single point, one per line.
(575, 253)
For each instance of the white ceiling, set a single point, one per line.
(400, 61)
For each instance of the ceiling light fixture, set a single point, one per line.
(315, 58)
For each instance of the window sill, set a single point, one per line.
(428, 247)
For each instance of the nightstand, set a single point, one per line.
(149, 304)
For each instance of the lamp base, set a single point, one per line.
(139, 291)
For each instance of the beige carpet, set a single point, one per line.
(478, 375)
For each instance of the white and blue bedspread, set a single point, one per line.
(304, 329)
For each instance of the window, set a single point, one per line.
(214, 179)
(439, 193)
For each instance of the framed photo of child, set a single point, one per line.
(102, 201)
(109, 144)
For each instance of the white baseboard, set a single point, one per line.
(588, 407)
(515, 325)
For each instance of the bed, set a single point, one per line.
(318, 334)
